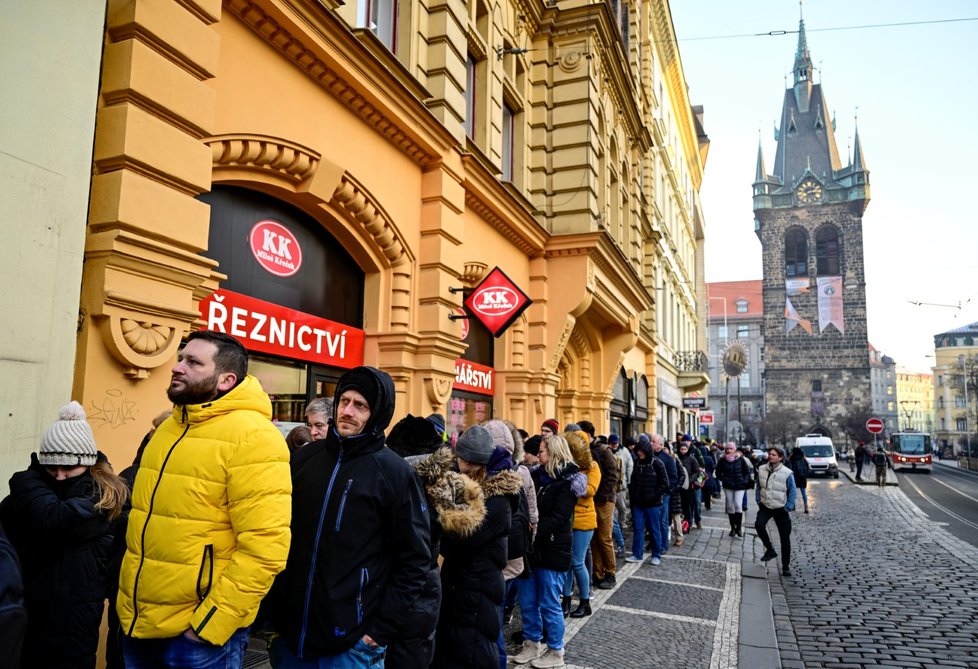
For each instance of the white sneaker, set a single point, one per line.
(632, 558)
(531, 650)
(550, 659)
(655, 562)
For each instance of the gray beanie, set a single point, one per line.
(501, 435)
(475, 445)
(69, 441)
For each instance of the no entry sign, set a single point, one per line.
(874, 425)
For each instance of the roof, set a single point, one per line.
(729, 293)
(971, 328)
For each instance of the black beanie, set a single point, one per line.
(377, 388)
(532, 445)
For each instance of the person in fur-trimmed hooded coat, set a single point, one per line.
(453, 499)
(475, 550)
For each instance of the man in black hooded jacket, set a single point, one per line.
(360, 537)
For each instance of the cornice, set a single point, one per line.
(328, 52)
(286, 160)
(356, 201)
(665, 37)
(494, 202)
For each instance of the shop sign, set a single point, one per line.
(706, 418)
(497, 302)
(694, 402)
(268, 328)
(275, 248)
(475, 378)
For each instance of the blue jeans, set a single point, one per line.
(664, 525)
(510, 592)
(540, 606)
(361, 656)
(698, 492)
(579, 546)
(182, 653)
(616, 536)
(647, 518)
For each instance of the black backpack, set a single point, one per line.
(13, 615)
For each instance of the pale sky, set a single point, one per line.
(916, 90)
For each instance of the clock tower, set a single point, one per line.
(808, 216)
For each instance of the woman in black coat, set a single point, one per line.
(736, 473)
(558, 482)
(801, 469)
(475, 551)
(60, 517)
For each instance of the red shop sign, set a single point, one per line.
(275, 248)
(474, 377)
(497, 302)
(268, 328)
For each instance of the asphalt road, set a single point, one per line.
(948, 496)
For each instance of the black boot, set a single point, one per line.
(565, 605)
(733, 523)
(583, 609)
(739, 522)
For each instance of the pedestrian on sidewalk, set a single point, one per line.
(880, 460)
(647, 489)
(585, 522)
(801, 469)
(625, 467)
(736, 475)
(687, 493)
(775, 496)
(550, 560)
(860, 459)
(659, 449)
(602, 542)
(677, 527)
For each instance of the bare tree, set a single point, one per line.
(780, 425)
(854, 423)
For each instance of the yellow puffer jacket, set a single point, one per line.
(585, 516)
(209, 527)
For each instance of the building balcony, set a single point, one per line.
(692, 369)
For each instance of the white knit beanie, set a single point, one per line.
(69, 441)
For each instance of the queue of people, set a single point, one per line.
(345, 545)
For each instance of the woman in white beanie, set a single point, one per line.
(60, 516)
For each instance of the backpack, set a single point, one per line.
(519, 527)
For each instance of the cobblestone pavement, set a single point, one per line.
(684, 612)
(875, 584)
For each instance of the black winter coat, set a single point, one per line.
(736, 475)
(13, 615)
(63, 544)
(650, 482)
(360, 552)
(555, 529)
(472, 581)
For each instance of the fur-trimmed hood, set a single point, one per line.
(458, 500)
(580, 448)
(506, 482)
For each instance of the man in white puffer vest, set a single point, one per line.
(775, 495)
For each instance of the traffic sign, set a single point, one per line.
(874, 425)
(706, 418)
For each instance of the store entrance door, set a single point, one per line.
(322, 382)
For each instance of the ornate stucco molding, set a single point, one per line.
(319, 70)
(283, 159)
(501, 225)
(357, 202)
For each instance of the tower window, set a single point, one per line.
(795, 253)
(827, 251)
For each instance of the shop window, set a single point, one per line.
(795, 253)
(285, 383)
(467, 409)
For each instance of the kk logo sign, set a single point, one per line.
(497, 302)
(275, 248)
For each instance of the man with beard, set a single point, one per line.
(211, 507)
(361, 553)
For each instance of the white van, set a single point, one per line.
(820, 454)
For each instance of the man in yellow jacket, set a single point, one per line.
(211, 507)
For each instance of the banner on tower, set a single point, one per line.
(797, 286)
(830, 303)
(792, 319)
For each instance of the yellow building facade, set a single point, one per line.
(915, 397)
(343, 175)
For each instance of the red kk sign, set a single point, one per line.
(497, 302)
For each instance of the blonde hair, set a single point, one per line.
(560, 454)
(112, 490)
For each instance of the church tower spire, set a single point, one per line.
(803, 68)
(858, 162)
(761, 174)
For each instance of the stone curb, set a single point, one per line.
(757, 643)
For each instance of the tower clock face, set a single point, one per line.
(809, 191)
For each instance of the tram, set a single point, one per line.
(910, 450)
